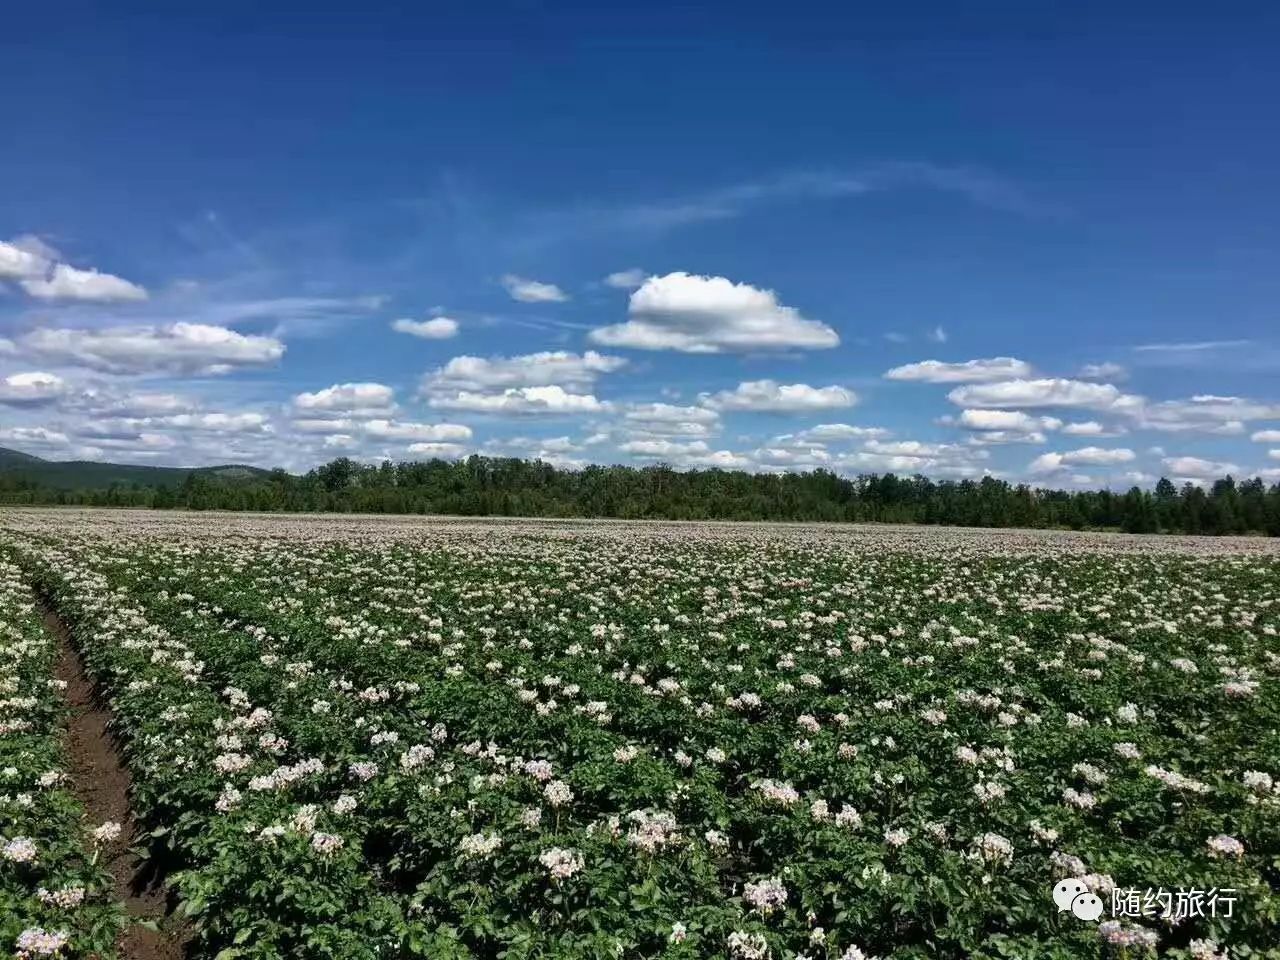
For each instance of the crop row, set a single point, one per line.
(54, 899)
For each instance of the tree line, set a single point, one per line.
(494, 486)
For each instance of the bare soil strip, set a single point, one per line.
(102, 783)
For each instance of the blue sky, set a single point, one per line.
(1016, 239)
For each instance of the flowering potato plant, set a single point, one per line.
(609, 741)
(54, 900)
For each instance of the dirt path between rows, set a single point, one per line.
(102, 782)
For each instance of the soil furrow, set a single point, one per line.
(102, 782)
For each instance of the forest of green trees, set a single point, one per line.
(489, 486)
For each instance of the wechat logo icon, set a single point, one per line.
(1073, 895)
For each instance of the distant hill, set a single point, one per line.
(90, 475)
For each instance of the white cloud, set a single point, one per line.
(351, 399)
(938, 335)
(215, 422)
(444, 451)
(532, 291)
(1266, 436)
(552, 399)
(915, 448)
(769, 395)
(667, 419)
(971, 371)
(1102, 371)
(1046, 392)
(669, 413)
(382, 429)
(1091, 456)
(178, 348)
(990, 437)
(32, 389)
(625, 279)
(1014, 420)
(31, 263)
(34, 436)
(409, 430)
(19, 263)
(69, 283)
(479, 374)
(110, 402)
(836, 433)
(1195, 468)
(437, 328)
(1206, 413)
(1086, 428)
(1274, 454)
(696, 314)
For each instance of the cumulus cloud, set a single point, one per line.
(409, 430)
(69, 283)
(697, 314)
(1206, 413)
(350, 399)
(769, 395)
(1196, 468)
(437, 328)
(32, 389)
(1091, 456)
(1265, 436)
(915, 448)
(1085, 428)
(17, 262)
(970, 371)
(532, 291)
(625, 279)
(177, 348)
(34, 437)
(442, 451)
(31, 264)
(553, 399)
(530, 370)
(992, 437)
(112, 401)
(836, 433)
(215, 422)
(667, 419)
(1014, 420)
(1045, 392)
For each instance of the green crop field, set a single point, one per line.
(360, 738)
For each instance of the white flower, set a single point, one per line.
(560, 862)
(1225, 846)
(479, 845)
(558, 793)
(38, 942)
(108, 832)
(765, 896)
(896, 838)
(20, 850)
(747, 946)
(326, 844)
